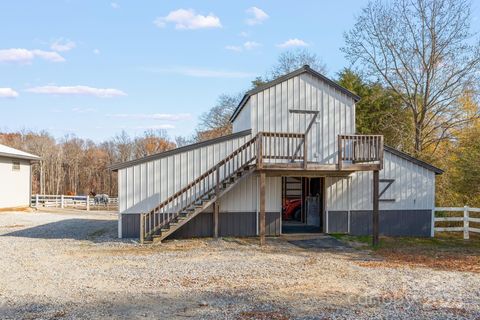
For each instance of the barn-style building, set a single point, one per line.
(293, 163)
(15, 177)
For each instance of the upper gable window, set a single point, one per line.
(15, 166)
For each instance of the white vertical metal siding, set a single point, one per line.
(244, 196)
(269, 111)
(243, 120)
(14, 185)
(143, 186)
(414, 187)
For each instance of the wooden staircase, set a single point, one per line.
(197, 196)
(197, 207)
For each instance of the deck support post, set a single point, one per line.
(376, 213)
(142, 225)
(262, 209)
(216, 209)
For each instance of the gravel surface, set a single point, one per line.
(58, 265)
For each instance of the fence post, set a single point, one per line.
(466, 224)
(36, 201)
(88, 202)
(62, 201)
(432, 231)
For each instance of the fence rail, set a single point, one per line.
(466, 219)
(77, 202)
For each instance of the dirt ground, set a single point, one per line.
(69, 265)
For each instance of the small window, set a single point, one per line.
(16, 166)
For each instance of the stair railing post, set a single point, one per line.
(466, 224)
(340, 152)
(217, 183)
(259, 150)
(305, 153)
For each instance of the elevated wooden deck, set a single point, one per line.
(286, 154)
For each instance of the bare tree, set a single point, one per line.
(288, 61)
(425, 52)
(216, 122)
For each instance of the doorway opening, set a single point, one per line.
(302, 204)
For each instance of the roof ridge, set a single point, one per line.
(304, 68)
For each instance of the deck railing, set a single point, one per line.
(281, 147)
(355, 149)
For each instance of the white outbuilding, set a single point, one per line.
(15, 177)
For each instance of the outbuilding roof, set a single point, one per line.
(16, 154)
(304, 69)
(410, 158)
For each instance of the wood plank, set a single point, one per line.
(216, 209)
(376, 211)
(456, 229)
(449, 219)
(262, 209)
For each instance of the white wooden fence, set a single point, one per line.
(466, 219)
(77, 202)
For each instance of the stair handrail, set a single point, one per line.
(216, 167)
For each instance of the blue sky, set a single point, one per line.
(93, 68)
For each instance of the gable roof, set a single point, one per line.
(16, 154)
(304, 69)
(417, 161)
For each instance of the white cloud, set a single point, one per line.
(96, 51)
(77, 90)
(20, 55)
(154, 116)
(188, 20)
(249, 45)
(61, 45)
(257, 16)
(114, 5)
(8, 93)
(156, 127)
(243, 34)
(202, 73)
(84, 110)
(293, 43)
(234, 48)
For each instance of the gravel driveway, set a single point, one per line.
(70, 266)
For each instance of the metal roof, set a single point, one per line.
(189, 147)
(16, 154)
(410, 158)
(304, 69)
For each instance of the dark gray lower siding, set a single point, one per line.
(130, 225)
(415, 223)
(393, 222)
(337, 221)
(231, 224)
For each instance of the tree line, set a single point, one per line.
(72, 165)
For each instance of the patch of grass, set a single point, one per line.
(444, 252)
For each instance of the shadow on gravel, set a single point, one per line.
(77, 229)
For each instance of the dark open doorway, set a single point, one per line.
(302, 204)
